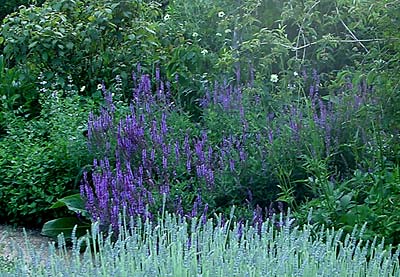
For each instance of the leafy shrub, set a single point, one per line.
(15, 94)
(370, 197)
(88, 40)
(41, 158)
(10, 6)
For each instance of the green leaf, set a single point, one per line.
(69, 45)
(64, 225)
(73, 202)
(345, 201)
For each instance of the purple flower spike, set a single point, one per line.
(189, 163)
(231, 165)
(258, 218)
(164, 128)
(204, 215)
(196, 205)
(158, 74)
(177, 152)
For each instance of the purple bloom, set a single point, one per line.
(164, 128)
(158, 74)
(178, 206)
(231, 165)
(177, 152)
(304, 75)
(204, 215)
(114, 217)
(196, 205)
(188, 163)
(165, 188)
(257, 218)
(164, 161)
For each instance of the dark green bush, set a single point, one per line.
(41, 159)
(9, 6)
(88, 40)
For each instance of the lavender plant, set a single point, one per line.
(187, 247)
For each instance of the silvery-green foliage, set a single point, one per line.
(178, 247)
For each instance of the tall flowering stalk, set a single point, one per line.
(140, 155)
(245, 149)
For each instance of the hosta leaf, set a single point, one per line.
(73, 202)
(64, 225)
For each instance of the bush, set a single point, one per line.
(88, 40)
(41, 158)
(9, 6)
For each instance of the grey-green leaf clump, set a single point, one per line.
(178, 247)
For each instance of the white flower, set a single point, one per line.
(167, 17)
(221, 14)
(99, 86)
(295, 74)
(274, 78)
(195, 35)
(83, 88)
(204, 52)
(218, 34)
(228, 31)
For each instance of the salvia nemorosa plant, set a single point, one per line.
(244, 150)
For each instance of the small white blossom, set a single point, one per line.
(221, 14)
(227, 31)
(99, 86)
(195, 35)
(274, 78)
(218, 34)
(295, 74)
(83, 89)
(204, 51)
(167, 17)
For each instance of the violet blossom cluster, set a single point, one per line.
(142, 155)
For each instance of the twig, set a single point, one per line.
(296, 48)
(351, 33)
(301, 31)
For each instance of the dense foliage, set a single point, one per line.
(41, 159)
(251, 103)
